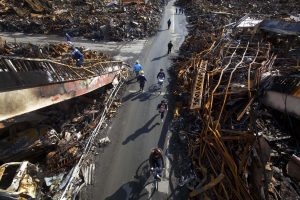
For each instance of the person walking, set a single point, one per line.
(162, 107)
(176, 11)
(170, 45)
(137, 67)
(142, 80)
(169, 23)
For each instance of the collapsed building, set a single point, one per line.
(52, 114)
(237, 104)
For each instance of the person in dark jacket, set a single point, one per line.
(162, 107)
(142, 80)
(169, 23)
(170, 45)
(156, 162)
(161, 74)
(78, 56)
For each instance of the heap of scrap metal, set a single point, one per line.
(238, 150)
(106, 20)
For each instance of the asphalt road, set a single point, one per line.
(122, 169)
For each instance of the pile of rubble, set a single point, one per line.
(55, 51)
(240, 148)
(109, 21)
(54, 138)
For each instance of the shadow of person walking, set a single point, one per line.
(130, 96)
(159, 57)
(135, 189)
(142, 130)
(129, 191)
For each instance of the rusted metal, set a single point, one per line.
(24, 69)
(28, 84)
(242, 63)
(17, 102)
(197, 91)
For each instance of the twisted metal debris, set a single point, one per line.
(223, 69)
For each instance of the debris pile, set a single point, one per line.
(55, 138)
(108, 21)
(58, 143)
(239, 147)
(19, 180)
(57, 51)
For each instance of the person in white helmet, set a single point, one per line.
(142, 80)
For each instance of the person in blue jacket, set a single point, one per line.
(137, 67)
(78, 56)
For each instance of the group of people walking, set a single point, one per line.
(179, 11)
(156, 160)
(170, 45)
(162, 107)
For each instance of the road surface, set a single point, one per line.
(122, 170)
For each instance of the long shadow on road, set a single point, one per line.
(149, 95)
(135, 189)
(158, 58)
(145, 129)
(168, 119)
(164, 131)
(130, 96)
